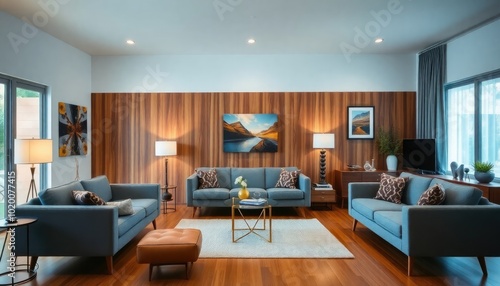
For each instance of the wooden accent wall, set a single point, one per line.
(125, 127)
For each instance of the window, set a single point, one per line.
(473, 118)
(26, 103)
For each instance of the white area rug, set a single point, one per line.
(291, 238)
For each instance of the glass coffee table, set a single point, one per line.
(265, 207)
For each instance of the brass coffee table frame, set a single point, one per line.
(235, 205)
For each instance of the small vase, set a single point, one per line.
(392, 163)
(367, 166)
(243, 193)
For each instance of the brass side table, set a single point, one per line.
(165, 198)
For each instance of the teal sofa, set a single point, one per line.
(465, 224)
(67, 229)
(262, 180)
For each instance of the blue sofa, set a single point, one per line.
(465, 224)
(67, 229)
(262, 180)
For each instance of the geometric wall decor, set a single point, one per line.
(72, 130)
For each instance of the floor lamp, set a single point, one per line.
(166, 148)
(32, 151)
(323, 141)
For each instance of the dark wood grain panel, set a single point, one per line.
(126, 125)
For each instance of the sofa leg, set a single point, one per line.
(482, 263)
(354, 223)
(301, 212)
(410, 265)
(34, 259)
(154, 223)
(109, 264)
(194, 210)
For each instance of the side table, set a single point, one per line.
(17, 274)
(323, 195)
(165, 198)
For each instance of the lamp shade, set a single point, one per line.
(32, 151)
(165, 148)
(324, 140)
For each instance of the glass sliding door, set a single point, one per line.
(23, 108)
(28, 108)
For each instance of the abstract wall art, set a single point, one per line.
(72, 130)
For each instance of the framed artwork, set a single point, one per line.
(360, 122)
(250, 132)
(72, 130)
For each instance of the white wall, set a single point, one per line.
(218, 73)
(474, 53)
(44, 59)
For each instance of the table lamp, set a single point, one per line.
(323, 141)
(32, 151)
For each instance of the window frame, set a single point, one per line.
(476, 81)
(11, 85)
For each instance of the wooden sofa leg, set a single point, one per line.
(410, 265)
(482, 262)
(34, 260)
(154, 223)
(109, 264)
(354, 223)
(194, 210)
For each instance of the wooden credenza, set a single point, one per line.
(344, 177)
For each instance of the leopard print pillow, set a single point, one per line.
(87, 198)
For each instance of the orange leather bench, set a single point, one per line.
(169, 246)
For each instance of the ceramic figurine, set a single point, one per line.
(454, 167)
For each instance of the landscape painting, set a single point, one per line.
(250, 132)
(360, 122)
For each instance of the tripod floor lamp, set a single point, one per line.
(166, 148)
(32, 151)
(323, 141)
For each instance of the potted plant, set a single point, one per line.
(389, 144)
(483, 171)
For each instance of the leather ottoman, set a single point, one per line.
(169, 246)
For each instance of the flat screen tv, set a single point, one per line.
(419, 155)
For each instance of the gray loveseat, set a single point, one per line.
(67, 229)
(262, 180)
(465, 224)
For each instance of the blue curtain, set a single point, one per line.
(431, 111)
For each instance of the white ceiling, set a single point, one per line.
(101, 27)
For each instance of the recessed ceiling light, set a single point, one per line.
(379, 40)
(251, 41)
(130, 42)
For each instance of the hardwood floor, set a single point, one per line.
(376, 262)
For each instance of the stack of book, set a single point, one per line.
(253, 202)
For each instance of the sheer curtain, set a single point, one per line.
(431, 101)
